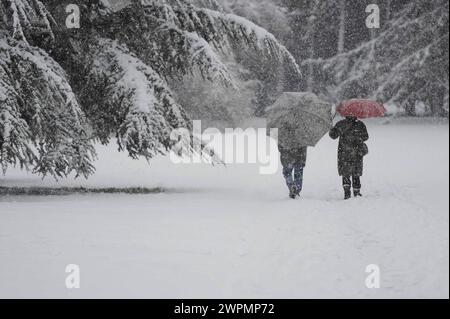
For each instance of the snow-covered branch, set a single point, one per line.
(237, 32)
(39, 99)
(114, 87)
(25, 19)
(395, 66)
(141, 109)
(176, 37)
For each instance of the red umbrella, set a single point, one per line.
(361, 109)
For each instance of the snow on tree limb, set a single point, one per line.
(26, 18)
(141, 110)
(168, 47)
(406, 63)
(14, 130)
(125, 91)
(208, 62)
(176, 37)
(210, 4)
(45, 102)
(240, 31)
(142, 107)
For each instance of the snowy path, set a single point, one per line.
(230, 232)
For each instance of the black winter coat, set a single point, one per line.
(352, 134)
(293, 156)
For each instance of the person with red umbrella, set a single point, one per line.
(353, 134)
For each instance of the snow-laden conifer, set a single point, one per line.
(118, 75)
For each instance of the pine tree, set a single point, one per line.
(42, 125)
(61, 89)
(404, 64)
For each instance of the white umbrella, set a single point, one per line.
(301, 117)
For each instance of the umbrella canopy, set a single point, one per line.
(302, 119)
(361, 109)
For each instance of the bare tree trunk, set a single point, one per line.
(410, 107)
(437, 103)
(311, 42)
(342, 26)
(388, 10)
(373, 34)
(310, 79)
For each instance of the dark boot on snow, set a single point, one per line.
(294, 192)
(347, 193)
(357, 193)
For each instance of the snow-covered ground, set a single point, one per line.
(232, 233)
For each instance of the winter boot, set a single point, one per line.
(347, 193)
(294, 192)
(357, 193)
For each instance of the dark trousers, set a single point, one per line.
(348, 181)
(293, 174)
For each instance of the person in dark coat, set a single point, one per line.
(293, 161)
(352, 134)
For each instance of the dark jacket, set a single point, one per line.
(293, 156)
(352, 134)
(292, 152)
